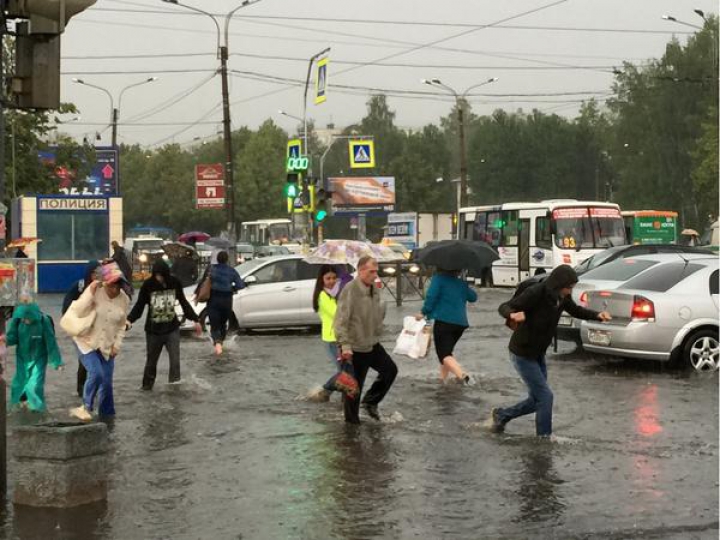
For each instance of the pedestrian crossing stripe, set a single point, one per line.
(362, 154)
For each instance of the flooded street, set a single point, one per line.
(233, 454)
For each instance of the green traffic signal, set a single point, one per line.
(291, 190)
(320, 215)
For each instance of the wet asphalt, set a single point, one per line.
(232, 453)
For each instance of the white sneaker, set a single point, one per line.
(81, 413)
(175, 383)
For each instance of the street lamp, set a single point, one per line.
(115, 111)
(700, 13)
(223, 54)
(459, 99)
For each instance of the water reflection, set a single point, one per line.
(538, 485)
(647, 414)
(84, 522)
(364, 471)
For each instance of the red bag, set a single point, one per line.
(346, 383)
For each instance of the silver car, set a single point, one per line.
(612, 275)
(667, 313)
(278, 294)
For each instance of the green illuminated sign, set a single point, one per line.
(299, 163)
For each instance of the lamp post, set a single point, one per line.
(115, 111)
(304, 138)
(459, 99)
(700, 13)
(222, 48)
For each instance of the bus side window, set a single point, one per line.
(543, 235)
(511, 228)
(480, 227)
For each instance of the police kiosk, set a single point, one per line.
(73, 228)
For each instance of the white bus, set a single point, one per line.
(533, 238)
(269, 232)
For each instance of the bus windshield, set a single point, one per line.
(594, 227)
(278, 233)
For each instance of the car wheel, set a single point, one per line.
(702, 350)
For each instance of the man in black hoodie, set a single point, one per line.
(162, 327)
(534, 314)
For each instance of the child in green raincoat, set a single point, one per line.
(33, 333)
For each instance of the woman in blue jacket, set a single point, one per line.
(446, 304)
(225, 281)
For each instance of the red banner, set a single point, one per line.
(210, 186)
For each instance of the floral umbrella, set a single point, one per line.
(22, 242)
(349, 252)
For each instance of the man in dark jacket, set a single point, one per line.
(73, 294)
(162, 328)
(535, 314)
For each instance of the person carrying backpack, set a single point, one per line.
(534, 315)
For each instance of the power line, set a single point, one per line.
(400, 22)
(173, 100)
(191, 125)
(139, 71)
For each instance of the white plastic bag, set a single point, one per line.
(414, 340)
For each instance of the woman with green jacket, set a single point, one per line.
(33, 334)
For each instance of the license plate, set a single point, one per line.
(565, 320)
(599, 337)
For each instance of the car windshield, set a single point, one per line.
(246, 267)
(580, 228)
(663, 277)
(148, 244)
(618, 270)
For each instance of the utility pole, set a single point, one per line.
(460, 101)
(223, 54)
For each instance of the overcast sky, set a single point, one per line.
(548, 55)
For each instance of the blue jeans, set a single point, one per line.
(99, 383)
(533, 372)
(332, 351)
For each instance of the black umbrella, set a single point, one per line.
(458, 255)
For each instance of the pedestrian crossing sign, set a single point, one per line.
(293, 148)
(321, 81)
(362, 154)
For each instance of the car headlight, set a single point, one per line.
(414, 269)
(389, 270)
(165, 257)
(143, 257)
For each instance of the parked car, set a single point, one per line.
(613, 274)
(245, 252)
(269, 251)
(619, 252)
(278, 294)
(145, 250)
(667, 313)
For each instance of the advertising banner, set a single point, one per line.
(363, 194)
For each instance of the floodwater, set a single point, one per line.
(232, 454)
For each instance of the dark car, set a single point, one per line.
(623, 252)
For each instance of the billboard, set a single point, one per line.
(362, 194)
(102, 179)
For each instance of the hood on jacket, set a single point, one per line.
(30, 312)
(563, 276)
(160, 267)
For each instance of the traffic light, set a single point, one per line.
(323, 206)
(36, 81)
(291, 185)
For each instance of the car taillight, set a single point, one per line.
(642, 309)
(584, 299)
